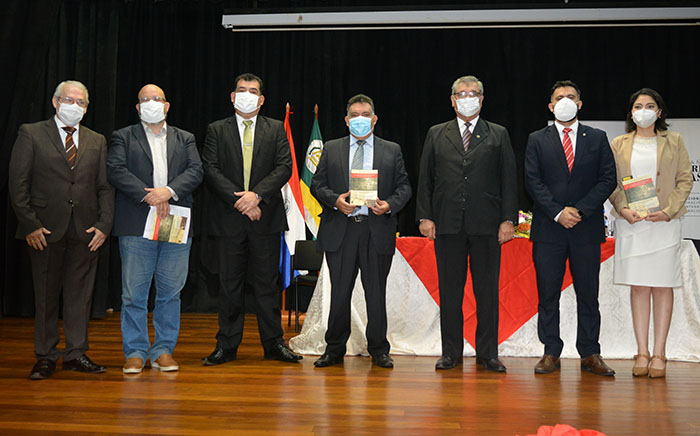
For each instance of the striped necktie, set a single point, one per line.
(71, 149)
(466, 137)
(568, 148)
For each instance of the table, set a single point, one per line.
(414, 316)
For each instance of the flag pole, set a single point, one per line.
(316, 111)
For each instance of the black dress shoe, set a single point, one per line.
(491, 364)
(328, 359)
(219, 356)
(42, 369)
(83, 364)
(281, 352)
(383, 360)
(446, 362)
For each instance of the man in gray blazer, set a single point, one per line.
(151, 164)
(64, 207)
(467, 203)
(247, 161)
(363, 237)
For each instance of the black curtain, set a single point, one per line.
(117, 46)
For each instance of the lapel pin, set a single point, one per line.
(584, 134)
(478, 136)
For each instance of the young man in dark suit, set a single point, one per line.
(467, 203)
(359, 237)
(569, 172)
(64, 206)
(151, 164)
(247, 160)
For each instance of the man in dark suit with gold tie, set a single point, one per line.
(64, 207)
(467, 203)
(247, 160)
(359, 238)
(569, 172)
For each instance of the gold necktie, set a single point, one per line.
(247, 153)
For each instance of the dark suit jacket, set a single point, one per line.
(476, 190)
(332, 179)
(223, 171)
(130, 171)
(552, 187)
(45, 191)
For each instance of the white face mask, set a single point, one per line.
(565, 110)
(71, 114)
(152, 112)
(246, 102)
(468, 106)
(644, 117)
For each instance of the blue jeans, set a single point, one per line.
(141, 261)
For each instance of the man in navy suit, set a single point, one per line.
(151, 164)
(361, 237)
(569, 172)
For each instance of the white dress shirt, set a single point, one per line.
(572, 136)
(158, 144)
(241, 127)
(367, 162)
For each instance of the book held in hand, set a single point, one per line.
(173, 228)
(641, 195)
(363, 187)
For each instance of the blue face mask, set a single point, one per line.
(360, 126)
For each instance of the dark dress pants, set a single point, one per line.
(483, 254)
(357, 251)
(66, 265)
(550, 266)
(254, 257)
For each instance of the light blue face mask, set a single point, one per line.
(360, 126)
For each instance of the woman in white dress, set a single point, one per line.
(647, 243)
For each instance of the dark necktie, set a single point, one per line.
(71, 149)
(466, 137)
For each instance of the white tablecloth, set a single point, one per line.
(414, 317)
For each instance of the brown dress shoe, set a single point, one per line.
(547, 364)
(594, 363)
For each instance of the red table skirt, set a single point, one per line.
(518, 286)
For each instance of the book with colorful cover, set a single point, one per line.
(363, 187)
(174, 228)
(641, 195)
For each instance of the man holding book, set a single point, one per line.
(152, 165)
(359, 236)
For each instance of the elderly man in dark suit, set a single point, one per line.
(247, 160)
(467, 203)
(152, 165)
(64, 206)
(569, 172)
(362, 237)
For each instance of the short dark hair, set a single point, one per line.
(661, 123)
(562, 83)
(248, 77)
(360, 98)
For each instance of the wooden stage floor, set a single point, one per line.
(255, 396)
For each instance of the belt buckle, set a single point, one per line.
(359, 218)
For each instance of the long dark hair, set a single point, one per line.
(661, 123)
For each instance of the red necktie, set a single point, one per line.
(568, 148)
(71, 151)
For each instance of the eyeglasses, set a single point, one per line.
(156, 98)
(70, 100)
(463, 94)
